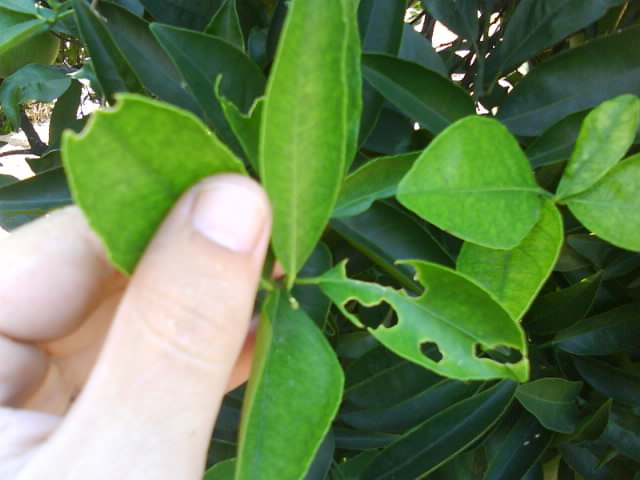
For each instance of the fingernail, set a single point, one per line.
(229, 214)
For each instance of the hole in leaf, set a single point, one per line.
(501, 353)
(431, 351)
(381, 315)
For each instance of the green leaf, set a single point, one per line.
(113, 72)
(460, 16)
(513, 449)
(323, 459)
(20, 32)
(246, 128)
(424, 95)
(125, 201)
(222, 470)
(309, 124)
(192, 14)
(614, 331)
(35, 195)
(32, 82)
(226, 25)
(451, 186)
(442, 436)
(623, 432)
(64, 114)
(537, 24)
(552, 401)
(22, 6)
(200, 59)
(386, 233)
(610, 208)
(516, 276)
(562, 308)
(593, 425)
(573, 80)
(373, 181)
(606, 135)
(417, 48)
(617, 383)
(458, 330)
(557, 142)
(148, 60)
(309, 297)
(295, 375)
(349, 439)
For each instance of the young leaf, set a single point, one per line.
(309, 123)
(552, 401)
(516, 276)
(373, 181)
(442, 436)
(459, 330)
(606, 135)
(246, 127)
(424, 95)
(452, 186)
(125, 201)
(610, 208)
(294, 392)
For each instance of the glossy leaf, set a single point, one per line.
(611, 207)
(537, 24)
(309, 124)
(226, 24)
(200, 59)
(112, 70)
(516, 276)
(460, 16)
(126, 201)
(519, 445)
(451, 186)
(289, 346)
(417, 49)
(146, 57)
(442, 436)
(425, 96)
(32, 82)
(621, 385)
(552, 401)
(557, 142)
(614, 331)
(192, 14)
(561, 309)
(606, 135)
(435, 317)
(573, 80)
(373, 181)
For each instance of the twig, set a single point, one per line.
(16, 152)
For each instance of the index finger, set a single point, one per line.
(53, 270)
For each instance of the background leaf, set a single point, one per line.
(516, 276)
(309, 122)
(150, 174)
(552, 401)
(193, 14)
(226, 24)
(450, 185)
(611, 207)
(289, 346)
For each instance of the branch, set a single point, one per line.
(37, 145)
(16, 152)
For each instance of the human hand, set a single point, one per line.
(108, 377)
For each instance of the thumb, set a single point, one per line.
(149, 406)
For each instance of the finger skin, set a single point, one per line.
(150, 404)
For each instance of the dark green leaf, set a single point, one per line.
(64, 114)
(113, 72)
(226, 25)
(352, 468)
(460, 16)
(373, 181)
(611, 207)
(557, 142)
(516, 276)
(518, 446)
(147, 58)
(224, 470)
(20, 32)
(552, 401)
(573, 80)
(289, 347)
(427, 97)
(33, 82)
(589, 464)
(606, 134)
(246, 128)
(593, 425)
(200, 59)
(450, 185)
(35, 195)
(193, 14)
(125, 201)
(416, 48)
(442, 436)
(436, 317)
(623, 432)
(362, 440)
(614, 331)
(310, 298)
(561, 309)
(324, 456)
(621, 385)
(309, 124)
